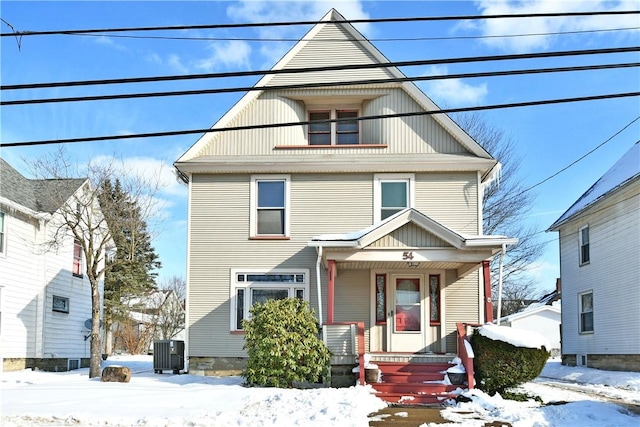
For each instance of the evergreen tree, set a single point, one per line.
(132, 272)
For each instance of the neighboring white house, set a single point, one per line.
(45, 296)
(158, 315)
(600, 270)
(543, 317)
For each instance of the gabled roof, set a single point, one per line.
(363, 238)
(37, 195)
(624, 171)
(336, 19)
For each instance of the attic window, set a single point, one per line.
(344, 132)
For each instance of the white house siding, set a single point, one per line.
(21, 278)
(613, 275)
(320, 203)
(545, 322)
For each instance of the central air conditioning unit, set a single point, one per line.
(168, 355)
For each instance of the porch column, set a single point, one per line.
(331, 273)
(488, 304)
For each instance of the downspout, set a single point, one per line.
(319, 284)
(504, 249)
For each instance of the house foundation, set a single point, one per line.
(54, 364)
(607, 362)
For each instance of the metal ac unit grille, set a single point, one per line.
(168, 355)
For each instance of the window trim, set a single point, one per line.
(65, 302)
(334, 111)
(582, 246)
(293, 289)
(253, 214)
(581, 327)
(77, 260)
(378, 179)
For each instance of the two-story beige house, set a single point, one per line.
(371, 220)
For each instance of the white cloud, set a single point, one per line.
(283, 11)
(547, 25)
(229, 53)
(175, 63)
(452, 92)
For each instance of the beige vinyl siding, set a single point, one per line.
(352, 295)
(402, 135)
(411, 236)
(438, 195)
(462, 298)
(330, 47)
(612, 274)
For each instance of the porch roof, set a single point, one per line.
(362, 248)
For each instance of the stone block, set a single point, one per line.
(118, 374)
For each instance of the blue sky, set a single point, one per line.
(547, 137)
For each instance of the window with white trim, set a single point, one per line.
(583, 237)
(77, 258)
(585, 301)
(249, 287)
(269, 206)
(343, 132)
(2, 234)
(391, 194)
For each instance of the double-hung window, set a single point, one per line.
(343, 132)
(270, 206)
(391, 194)
(249, 287)
(583, 237)
(2, 233)
(77, 259)
(586, 312)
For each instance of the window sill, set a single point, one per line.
(331, 147)
(435, 324)
(79, 276)
(582, 264)
(269, 238)
(237, 332)
(585, 333)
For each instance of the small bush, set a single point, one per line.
(283, 345)
(499, 365)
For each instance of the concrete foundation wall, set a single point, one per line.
(608, 362)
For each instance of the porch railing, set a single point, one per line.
(465, 352)
(346, 339)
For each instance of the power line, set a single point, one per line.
(425, 62)
(301, 123)
(284, 39)
(316, 85)
(345, 21)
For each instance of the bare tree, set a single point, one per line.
(171, 316)
(81, 217)
(505, 207)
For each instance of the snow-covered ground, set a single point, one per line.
(71, 398)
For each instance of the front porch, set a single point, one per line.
(405, 378)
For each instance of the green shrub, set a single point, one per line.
(283, 345)
(499, 365)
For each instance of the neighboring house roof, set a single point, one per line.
(37, 195)
(624, 171)
(365, 237)
(533, 309)
(476, 158)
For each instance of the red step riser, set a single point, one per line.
(414, 378)
(412, 367)
(412, 388)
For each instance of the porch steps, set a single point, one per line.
(413, 383)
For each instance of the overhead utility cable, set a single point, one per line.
(316, 85)
(424, 62)
(291, 124)
(395, 39)
(346, 21)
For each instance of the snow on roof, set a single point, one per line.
(623, 171)
(514, 336)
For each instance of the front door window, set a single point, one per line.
(407, 306)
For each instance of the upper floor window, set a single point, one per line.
(391, 194)
(343, 132)
(586, 312)
(60, 304)
(269, 206)
(77, 258)
(583, 237)
(252, 287)
(2, 233)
